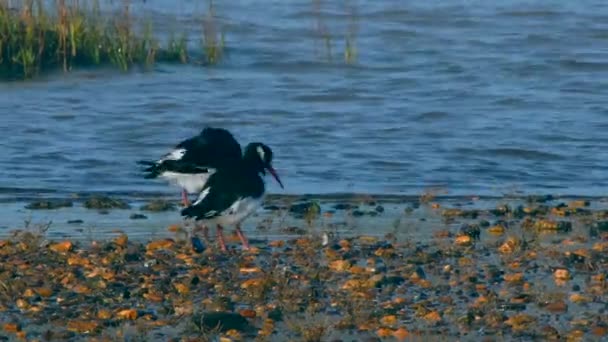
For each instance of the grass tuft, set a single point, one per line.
(65, 34)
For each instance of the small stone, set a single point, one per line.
(49, 204)
(11, 327)
(602, 226)
(248, 313)
(599, 330)
(158, 206)
(136, 216)
(384, 332)
(496, 230)
(272, 207)
(128, 314)
(134, 253)
(104, 202)
(561, 274)
(358, 213)
(82, 326)
(344, 206)
(104, 314)
(433, 316)
(61, 247)
(401, 334)
(557, 307)
(549, 332)
(224, 320)
(275, 314)
(579, 298)
(197, 244)
(549, 225)
(471, 230)
(302, 209)
(539, 198)
(389, 320)
(159, 244)
(294, 230)
(578, 204)
(452, 213)
(463, 240)
(121, 240)
(390, 280)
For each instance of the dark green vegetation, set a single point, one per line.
(66, 34)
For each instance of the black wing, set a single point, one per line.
(211, 203)
(212, 148)
(222, 190)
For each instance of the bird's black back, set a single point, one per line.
(225, 187)
(213, 147)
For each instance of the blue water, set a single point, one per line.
(474, 97)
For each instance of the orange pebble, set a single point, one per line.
(130, 314)
(401, 334)
(61, 247)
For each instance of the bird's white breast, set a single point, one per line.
(239, 210)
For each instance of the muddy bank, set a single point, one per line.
(471, 270)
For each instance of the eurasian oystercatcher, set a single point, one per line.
(233, 193)
(193, 160)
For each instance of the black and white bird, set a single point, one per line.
(233, 193)
(193, 160)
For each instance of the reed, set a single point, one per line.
(69, 33)
(213, 39)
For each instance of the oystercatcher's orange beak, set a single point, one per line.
(273, 172)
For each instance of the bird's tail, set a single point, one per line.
(188, 212)
(152, 170)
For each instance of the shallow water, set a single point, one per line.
(83, 224)
(476, 97)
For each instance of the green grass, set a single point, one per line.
(69, 34)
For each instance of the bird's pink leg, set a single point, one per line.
(220, 238)
(241, 236)
(185, 199)
(205, 233)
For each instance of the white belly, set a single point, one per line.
(192, 183)
(239, 211)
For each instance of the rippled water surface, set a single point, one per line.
(476, 97)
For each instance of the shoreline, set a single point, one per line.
(8, 194)
(100, 215)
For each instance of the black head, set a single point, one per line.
(260, 156)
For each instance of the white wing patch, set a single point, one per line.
(261, 152)
(211, 213)
(202, 196)
(174, 155)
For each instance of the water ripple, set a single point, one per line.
(474, 96)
